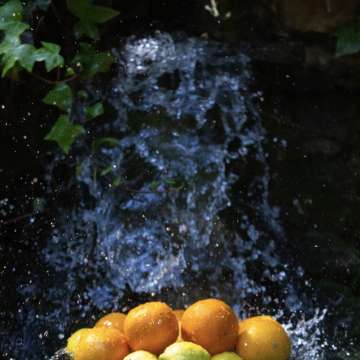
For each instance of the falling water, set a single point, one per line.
(169, 210)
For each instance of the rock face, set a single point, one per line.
(301, 15)
(316, 182)
(316, 15)
(309, 25)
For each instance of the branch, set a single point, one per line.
(53, 82)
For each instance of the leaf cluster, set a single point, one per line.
(17, 55)
(14, 52)
(348, 39)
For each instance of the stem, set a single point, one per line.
(56, 13)
(53, 82)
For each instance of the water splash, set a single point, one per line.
(177, 214)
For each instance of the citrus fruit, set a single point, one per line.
(113, 320)
(151, 326)
(179, 314)
(212, 324)
(140, 355)
(74, 339)
(263, 338)
(185, 351)
(227, 355)
(100, 343)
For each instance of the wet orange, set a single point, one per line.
(101, 344)
(151, 327)
(179, 314)
(212, 324)
(113, 320)
(263, 338)
(74, 340)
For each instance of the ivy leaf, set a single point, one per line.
(11, 11)
(22, 53)
(10, 24)
(87, 29)
(60, 96)
(107, 170)
(89, 16)
(14, 51)
(93, 111)
(92, 61)
(13, 30)
(108, 141)
(83, 95)
(11, 49)
(70, 72)
(154, 185)
(117, 181)
(86, 11)
(348, 39)
(50, 54)
(64, 133)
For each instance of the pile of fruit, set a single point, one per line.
(207, 330)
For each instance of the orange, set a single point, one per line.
(101, 343)
(113, 320)
(212, 324)
(179, 314)
(151, 327)
(74, 339)
(263, 338)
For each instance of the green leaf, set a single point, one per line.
(89, 16)
(92, 61)
(14, 51)
(13, 30)
(64, 133)
(83, 28)
(91, 112)
(348, 39)
(170, 182)
(10, 24)
(11, 11)
(83, 95)
(174, 183)
(11, 49)
(70, 72)
(60, 96)
(23, 54)
(50, 54)
(154, 185)
(87, 12)
(79, 168)
(108, 141)
(107, 170)
(117, 181)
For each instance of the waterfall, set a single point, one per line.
(178, 206)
